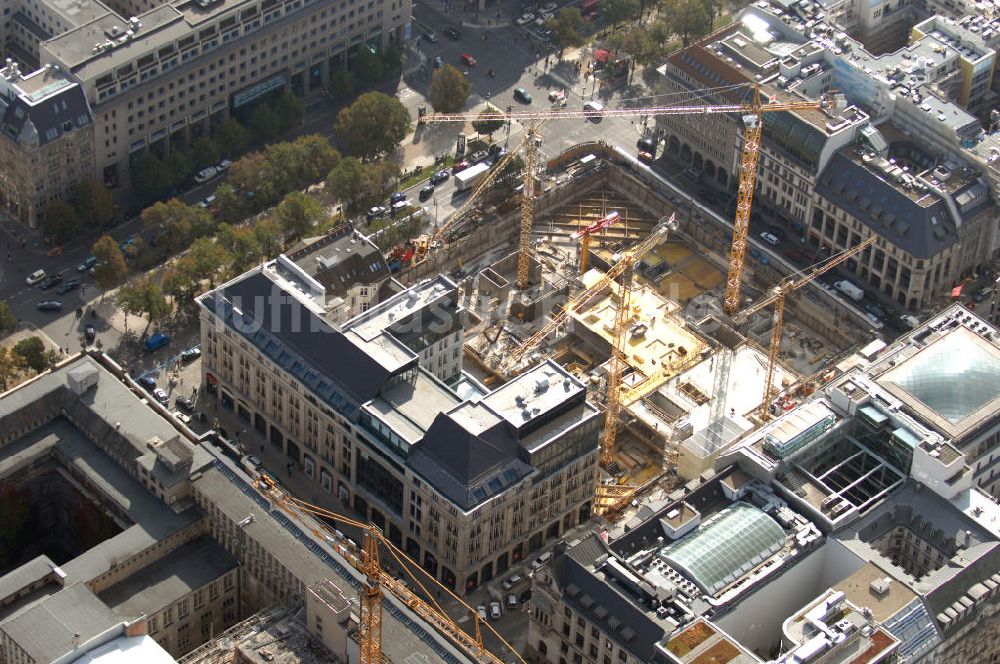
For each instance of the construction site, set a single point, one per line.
(610, 271)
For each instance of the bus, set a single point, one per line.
(471, 176)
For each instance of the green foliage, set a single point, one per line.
(32, 353)
(10, 364)
(205, 151)
(111, 269)
(616, 11)
(484, 125)
(289, 109)
(241, 243)
(60, 221)
(268, 236)
(368, 67)
(252, 178)
(373, 125)
(359, 185)
(232, 138)
(150, 176)
(567, 28)
(180, 166)
(93, 203)
(315, 156)
(7, 319)
(689, 19)
(264, 123)
(509, 175)
(208, 259)
(449, 90)
(180, 221)
(143, 297)
(297, 214)
(392, 56)
(230, 204)
(342, 83)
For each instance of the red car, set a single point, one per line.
(468, 60)
(459, 167)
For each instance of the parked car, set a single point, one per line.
(49, 305)
(206, 174)
(770, 238)
(983, 293)
(68, 286)
(522, 95)
(646, 144)
(431, 37)
(468, 60)
(51, 281)
(548, 7)
(397, 197)
(223, 166)
(557, 95)
(89, 333)
(511, 602)
(481, 611)
(438, 62)
(541, 560)
(477, 157)
(525, 19)
(157, 341)
(184, 403)
(511, 582)
(191, 354)
(376, 212)
(207, 203)
(35, 277)
(875, 321)
(876, 310)
(495, 612)
(544, 16)
(496, 150)
(87, 264)
(160, 395)
(182, 417)
(426, 192)
(439, 177)
(147, 383)
(457, 168)
(452, 33)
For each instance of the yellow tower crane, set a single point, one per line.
(777, 298)
(753, 119)
(377, 580)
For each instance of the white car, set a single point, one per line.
(544, 16)
(160, 395)
(495, 612)
(770, 238)
(35, 277)
(548, 7)
(223, 166)
(183, 418)
(205, 204)
(481, 611)
(525, 19)
(206, 174)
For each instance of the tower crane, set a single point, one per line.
(366, 561)
(655, 237)
(777, 298)
(753, 119)
(584, 235)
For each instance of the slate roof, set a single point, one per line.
(922, 231)
(467, 468)
(305, 344)
(57, 107)
(603, 605)
(341, 259)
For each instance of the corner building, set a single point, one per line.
(379, 414)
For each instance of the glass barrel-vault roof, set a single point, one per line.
(954, 377)
(726, 546)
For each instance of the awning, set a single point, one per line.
(210, 379)
(601, 55)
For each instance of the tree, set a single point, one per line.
(10, 364)
(241, 243)
(206, 151)
(316, 157)
(510, 174)
(179, 280)
(143, 297)
(7, 319)
(231, 205)
(484, 125)
(567, 28)
(268, 236)
(616, 11)
(232, 137)
(111, 269)
(289, 109)
(150, 177)
(32, 353)
(251, 175)
(449, 90)
(264, 123)
(392, 56)
(179, 221)
(368, 66)
(60, 221)
(298, 213)
(179, 165)
(342, 83)
(93, 203)
(688, 19)
(373, 125)
(358, 184)
(208, 258)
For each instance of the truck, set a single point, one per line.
(850, 290)
(471, 176)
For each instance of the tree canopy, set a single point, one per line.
(616, 11)
(359, 185)
(297, 214)
(110, 269)
(33, 354)
(449, 90)
(373, 125)
(689, 19)
(143, 297)
(567, 28)
(484, 125)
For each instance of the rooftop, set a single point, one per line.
(859, 590)
(127, 650)
(169, 578)
(340, 260)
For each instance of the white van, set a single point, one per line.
(35, 277)
(593, 109)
